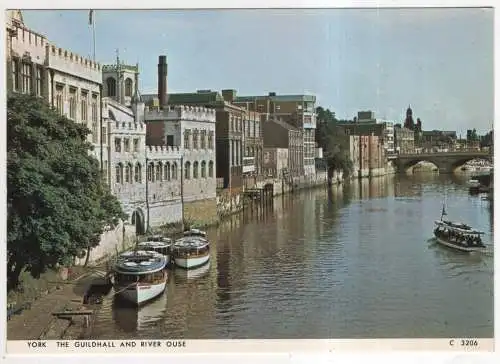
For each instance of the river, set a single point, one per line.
(357, 261)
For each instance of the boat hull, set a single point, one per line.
(138, 294)
(467, 249)
(191, 263)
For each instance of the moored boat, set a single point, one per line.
(191, 251)
(140, 276)
(195, 232)
(458, 235)
(162, 246)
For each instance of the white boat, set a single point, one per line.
(458, 235)
(195, 232)
(162, 246)
(191, 251)
(139, 276)
(473, 183)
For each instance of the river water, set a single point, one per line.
(357, 261)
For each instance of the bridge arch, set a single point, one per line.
(404, 167)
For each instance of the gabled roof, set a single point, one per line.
(283, 124)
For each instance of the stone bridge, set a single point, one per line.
(446, 162)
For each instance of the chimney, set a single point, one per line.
(162, 81)
(229, 95)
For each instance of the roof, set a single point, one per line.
(190, 98)
(282, 98)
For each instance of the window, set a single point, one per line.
(104, 136)
(128, 87)
(95, 131)
(83, 106)
(210, 169)
(39, 81)
(111, 86)
(203, 169)
(59, 99)
(136, 145)
(151, 172)
(210, 140)
(159, 171)
(94, 108)
(128, 173)
(174, 170)
(203, 139)
(118, 145)
(170, 140)
(187, 168)
(126, 145)
(186, 139)
(72, 103)
(195, 139)
(119, 173)
(167, 172)
(195, 170)
(26, 77)
(233, 152)
(15, 75)
(138, 173)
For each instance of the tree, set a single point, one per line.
(57, 202)
(334, 142)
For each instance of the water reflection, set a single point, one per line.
(351, 261)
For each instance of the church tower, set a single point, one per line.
(119, 81)
(409, 124)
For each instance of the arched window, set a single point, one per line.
(128, 87)
(203, 169)
(159, 170)
(174, 170)
(210, 169)
(111, 86)
(187, 170)
(167, 171)
(138, 173)
(119, 173)
(151, 172)
(195, 169)
(128, 173)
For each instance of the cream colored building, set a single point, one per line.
(69, 82)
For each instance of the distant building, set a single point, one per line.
(296, 110)
(278, 134)
(275, 162)
(404, 140)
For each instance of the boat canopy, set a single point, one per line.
(191, 242)
(140, 262)
(461, 228)
(154, 244)
(158, 238)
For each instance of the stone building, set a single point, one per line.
(191, 130)
(278, 134)
(228, 134)
(70, 83)
(146, 179)
(254, 144)
(296, 110)
(119, 81)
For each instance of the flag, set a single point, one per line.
(91, 17)
(443, 213)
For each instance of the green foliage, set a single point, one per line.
(57, 204)
(334, 141)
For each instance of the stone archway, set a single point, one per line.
(138, 221)
(413, 163)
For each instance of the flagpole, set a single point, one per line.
(92, 23)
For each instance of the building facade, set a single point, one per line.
(70, 83)
(275, 162)
(404, 140)
(296, 110)
(253, 142)
(278, 134)
(189, 130)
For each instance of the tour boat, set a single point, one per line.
(140, 276)
(191, 251)
(195, 232)
(457, 235)
(160, 245)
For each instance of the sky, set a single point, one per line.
(439, 61)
